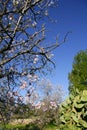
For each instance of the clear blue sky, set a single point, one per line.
(71, 16)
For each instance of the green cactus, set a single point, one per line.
(73, 112)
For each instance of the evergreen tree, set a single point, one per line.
(78, 76)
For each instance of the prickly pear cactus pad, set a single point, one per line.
(73, 112)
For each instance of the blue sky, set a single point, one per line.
(71, 16)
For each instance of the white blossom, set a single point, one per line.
(34, 24)
(11, 68)
(35, 60)
(16, 2)
(27, 99)
(23, 73)
(46, 12)
(9, 94)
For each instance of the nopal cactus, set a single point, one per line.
(73, 112)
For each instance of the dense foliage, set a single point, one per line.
(73, 112)
(78, 75)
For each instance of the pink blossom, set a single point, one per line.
(38, 105)
(33, 78)
(24, 85)
(23, 73)
(53, 105)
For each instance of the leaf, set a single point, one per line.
(84, 96)
(83, 123)
(85, 92)
(79, 106)
(73, 127)
(68, 116)
(75, 118)
(62, 119)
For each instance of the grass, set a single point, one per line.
(23, 127)
(19, 127)
(51, 127)
(14, 127)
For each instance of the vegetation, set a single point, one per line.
(48, 107)
(24, 58)
(73, 112)
(51, 127)
(29, 127)
(78, 75)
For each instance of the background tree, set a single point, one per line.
(78, 76)
(47, 106)
(49, 92)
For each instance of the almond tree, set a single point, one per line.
(23, 52)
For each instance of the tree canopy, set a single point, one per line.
(78, 76)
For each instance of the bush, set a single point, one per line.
(32, 127)
(73, 112)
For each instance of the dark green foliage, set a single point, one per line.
(32, 127)
(78, 76)
(73, 112)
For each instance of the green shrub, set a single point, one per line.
(73, 112)
(50, 127)
(32, 126)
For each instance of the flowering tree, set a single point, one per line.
(22, 52)
(49, 101)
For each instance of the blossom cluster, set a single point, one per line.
(53, 105)
(23, 85)
(44, 106)
(32, 77)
